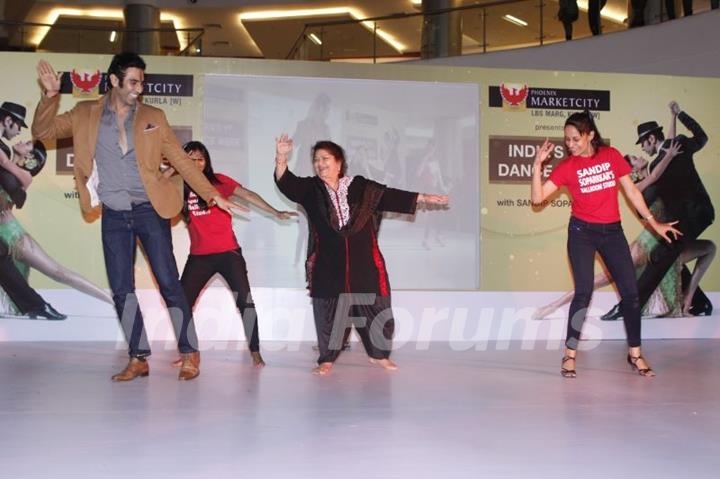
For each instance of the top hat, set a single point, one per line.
(16, 111)
(645, 129)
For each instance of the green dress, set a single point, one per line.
(666, 300)
(11, 233)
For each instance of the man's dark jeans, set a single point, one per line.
(120, 232)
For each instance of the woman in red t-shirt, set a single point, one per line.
(213, 246)
(592, 174)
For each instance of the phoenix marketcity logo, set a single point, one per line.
(553, 101)
(514, 94)
(89, 83)
(85, 82)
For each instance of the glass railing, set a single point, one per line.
(477, 28)
(100, 38)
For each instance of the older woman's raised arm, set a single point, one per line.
(289, 185)
(283, 148)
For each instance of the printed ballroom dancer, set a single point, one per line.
(395, 168)
(670, 299)
(683, 196)
(430, 178)
(21, 297)
(12, 121)
(346, 271)
(28, 160)
(16, 296)
(314, 125)
(214, 249)
(593, 174)
(119, 145)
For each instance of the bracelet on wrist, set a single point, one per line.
(651, 217)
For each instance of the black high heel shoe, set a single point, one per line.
(705, 309)
(615, 314)
(564, 372)
(645, 372)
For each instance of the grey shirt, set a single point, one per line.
(119, 183)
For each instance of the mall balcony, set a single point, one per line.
(496, 33)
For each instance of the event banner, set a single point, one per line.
(470, 133)
(524, 246)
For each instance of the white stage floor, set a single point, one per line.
(444, 413)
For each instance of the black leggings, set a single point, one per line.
(584, 239)
(231, 266)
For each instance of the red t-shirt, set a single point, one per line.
(593, 184)
(211, 228)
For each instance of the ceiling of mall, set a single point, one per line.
(227, 35)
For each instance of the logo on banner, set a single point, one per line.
(514, 95)
(519, 96)
(85, 83)
(158, 87)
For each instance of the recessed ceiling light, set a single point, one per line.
(105, 13)
(315, 39)
(303, 12)
(314, 12)
(515, 20)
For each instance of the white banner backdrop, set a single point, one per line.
(416, 136)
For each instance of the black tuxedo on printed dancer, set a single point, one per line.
(686, 200)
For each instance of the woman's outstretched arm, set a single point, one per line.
(671, 153)
(638, 202)
(257, 200)
(539, 191)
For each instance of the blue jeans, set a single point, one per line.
(584, 239)
(120, 232)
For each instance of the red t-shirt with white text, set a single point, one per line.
(593, 184)
(211, 228)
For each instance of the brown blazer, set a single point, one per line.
(154, 139)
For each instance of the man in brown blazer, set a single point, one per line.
(119, 145)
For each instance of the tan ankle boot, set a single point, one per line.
(134, 368)
(190, 367)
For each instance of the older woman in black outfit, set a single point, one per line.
(346, 271)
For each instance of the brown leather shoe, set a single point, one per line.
(134, 369)
(190, 367)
